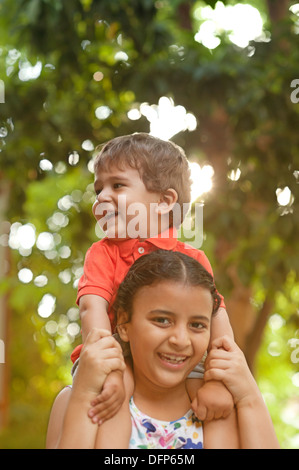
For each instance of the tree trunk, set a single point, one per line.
(247, 323)
(278, 9)
(254, 338)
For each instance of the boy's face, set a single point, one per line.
(124, 208)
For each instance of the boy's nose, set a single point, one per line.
(105, 195)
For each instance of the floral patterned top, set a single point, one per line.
(150, 433)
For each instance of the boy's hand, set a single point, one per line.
(226, 363)
(213, 401)
(109, 401)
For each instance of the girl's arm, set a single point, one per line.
(221, 325)
(227, 363)
(221, 433)
(69, 425)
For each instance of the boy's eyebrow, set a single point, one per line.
(112, 177)
(169, 312)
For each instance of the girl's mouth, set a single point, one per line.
(173, 358)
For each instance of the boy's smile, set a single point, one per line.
(121, 194)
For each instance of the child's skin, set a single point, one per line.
(169, 320)
(211, 401)
(100, 355)
(132, 170)
(109, 186)
(227, 363)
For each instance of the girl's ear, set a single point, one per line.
(167, 201)
(122, 325)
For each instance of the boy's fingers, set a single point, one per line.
(101, 413)
(104, 400)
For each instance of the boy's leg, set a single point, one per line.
(115, 433)
(192, 387)
(195, 379)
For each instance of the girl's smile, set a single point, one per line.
(173, 361)
(169, 332)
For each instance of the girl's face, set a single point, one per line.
(169, 332)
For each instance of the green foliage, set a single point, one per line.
(278, 360)
(115, 55)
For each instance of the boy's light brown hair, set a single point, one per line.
(161, 164)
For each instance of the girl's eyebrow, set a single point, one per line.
(159, 310)
(169, 312)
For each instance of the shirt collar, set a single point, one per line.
(166, 240)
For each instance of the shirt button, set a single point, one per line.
(141, 250)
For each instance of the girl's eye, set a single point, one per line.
(197, 325)
(118, 185)
(162, 321)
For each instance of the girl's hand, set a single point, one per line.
(101, 354)
(226, 362)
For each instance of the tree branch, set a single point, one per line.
(254, 338)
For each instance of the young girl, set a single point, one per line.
(164, 310)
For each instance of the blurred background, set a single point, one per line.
(219, 78)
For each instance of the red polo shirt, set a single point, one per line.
(108, 261)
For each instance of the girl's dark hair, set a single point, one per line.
(158, 266)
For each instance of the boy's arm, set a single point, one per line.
(93, 314)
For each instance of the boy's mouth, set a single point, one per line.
(109, 215)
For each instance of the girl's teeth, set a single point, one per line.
(174, 359)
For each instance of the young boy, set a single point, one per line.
(143, 174)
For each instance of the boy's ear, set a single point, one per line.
(122, 325)
(167, 201)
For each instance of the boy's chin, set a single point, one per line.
(116, 234)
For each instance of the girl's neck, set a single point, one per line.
(165, 404)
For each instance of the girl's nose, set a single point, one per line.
(180, 337)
